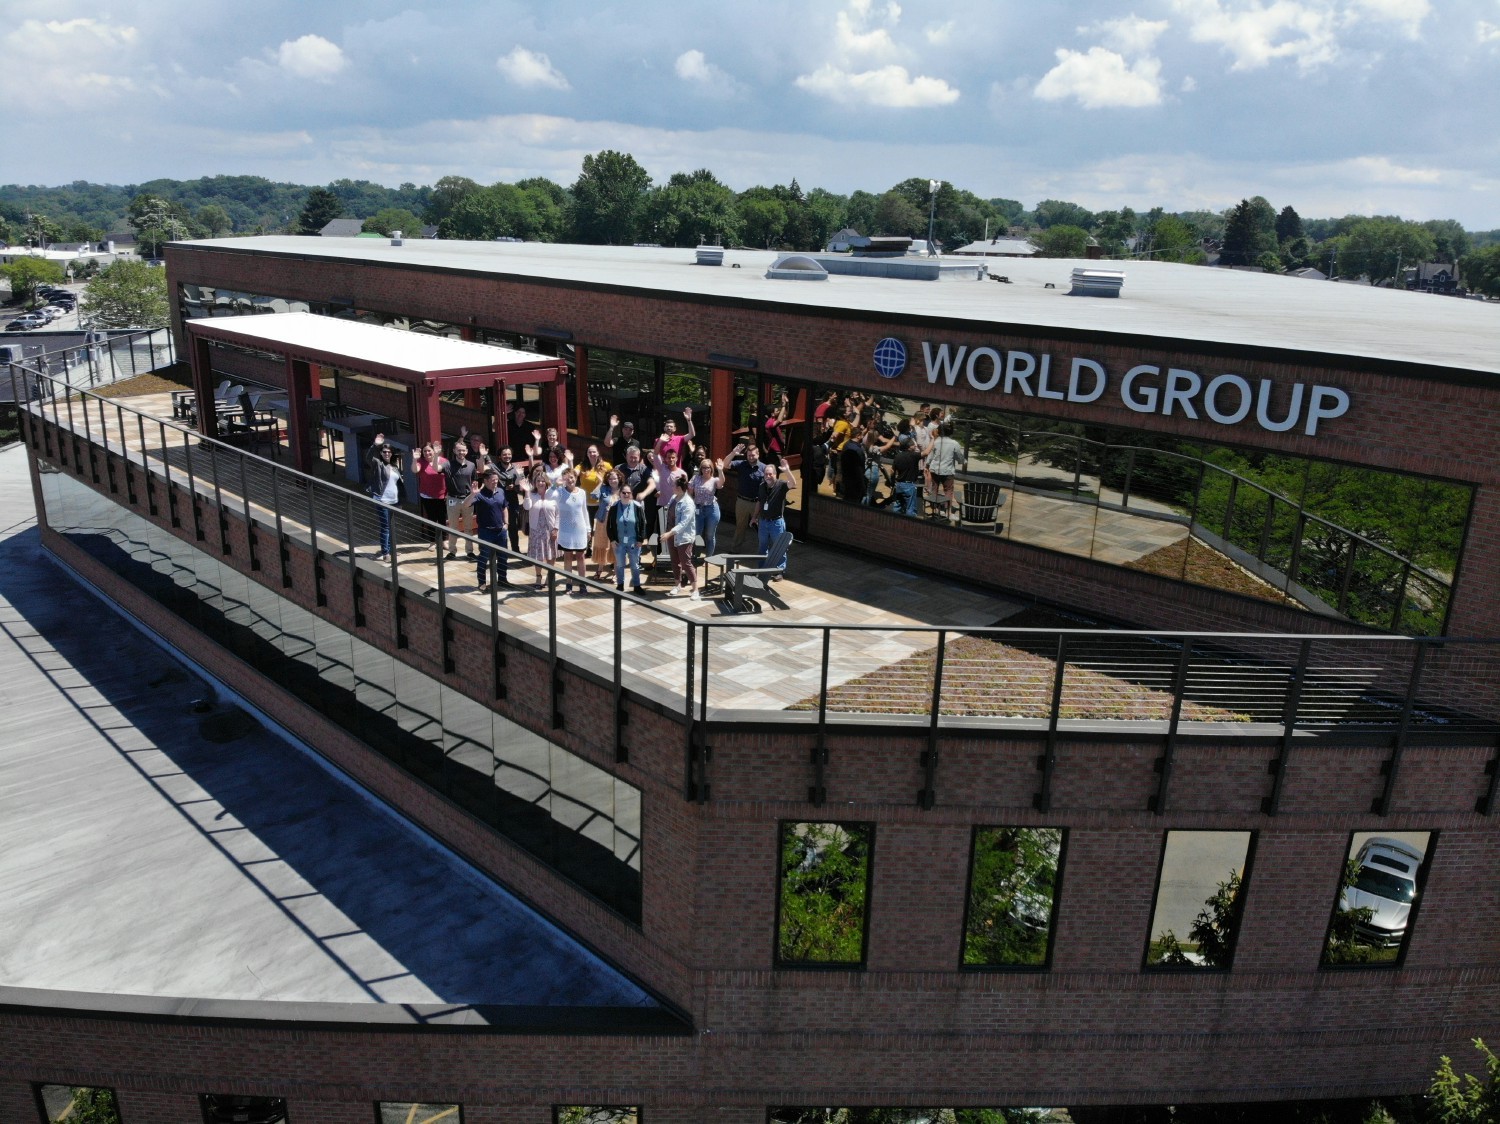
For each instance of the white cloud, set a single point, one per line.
(1189, 84)
(1101, 79)
(1130, 36)
(938, 34)
(1254, 33)
(72, 63)
(531, 68)
(694, 67)
(1382, 169)
(889, 86)
(863, 28)
(312, 57)
(1410, 13)
(1487, 32)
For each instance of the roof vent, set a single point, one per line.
(797, 267)
(710, 255)
(395, 238)
(1097, 282)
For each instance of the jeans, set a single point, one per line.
(384, 512)
(491, 538)
(631, 554)
(769, 530)
(871, 483)
(906, 498)
(708, 527)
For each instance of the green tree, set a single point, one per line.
(214, 220)
(860, 212)
(127, 294)
(691, 208)
(1057, 212)
(1211, 933)
(1481, 270)
(1112, 229)
(1249, 232)
(763, 221)
(1174, 240)
(1466, 1100)
(896, 214)
(321, 207)
(550, 202)
(1450, 239)
(447, 193)
(156, 221)
(27, 274)
(499, 211)
(388, 219)
(42, 230)
(1009, 210)
(1063, 241)
(609, 198)
(1380, 247)
(1345, 945)
(1288, 225)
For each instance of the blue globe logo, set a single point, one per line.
(890, 357)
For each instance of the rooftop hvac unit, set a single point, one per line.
(1097, 282)
(710, 255)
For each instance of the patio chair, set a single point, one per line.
(979, 505)
(744, 572)
(254, 424)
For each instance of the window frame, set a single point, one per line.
(1052, 917)
(782, 827)
(1237, 918)
(1399, 960)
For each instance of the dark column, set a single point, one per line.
(201, 360)
(721, 422)
(299, 388)
(581, 392)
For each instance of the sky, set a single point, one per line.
(1331, 106)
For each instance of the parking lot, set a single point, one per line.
(69, 320)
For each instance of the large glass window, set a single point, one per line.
(596, 1114)
(1199, 897)
(571, 814)
(77, 1104)
(1379, 887)
(1379, 548)
(824, 894)
(1013, 879)
(868, 1115)
(236, 1108)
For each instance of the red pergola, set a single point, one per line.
(425, 365)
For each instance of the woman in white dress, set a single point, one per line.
(542, 529)
(572, 525)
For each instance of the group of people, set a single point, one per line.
(860, 449)
(600, 511)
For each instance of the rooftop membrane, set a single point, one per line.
(1159, 300)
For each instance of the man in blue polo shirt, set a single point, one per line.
(748, 473)
(490, 507)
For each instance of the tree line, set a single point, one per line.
(614, 201)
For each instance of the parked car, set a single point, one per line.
(53, 312)
(1386, 885)
(20, 326)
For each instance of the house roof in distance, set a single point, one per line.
(1160, 301)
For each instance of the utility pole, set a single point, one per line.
(932, 185)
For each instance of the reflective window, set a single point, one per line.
(77, 1104)
(1382, 881)
(234, 1108)
(824, 893)
(568, 812)
(406, 1112)
(596, 1114)
(804, 1115)
(1372, 546)
(1199, 896)
(1013, 877)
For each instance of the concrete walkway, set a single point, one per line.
(149, 850)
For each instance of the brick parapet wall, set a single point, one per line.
(1079, 1032)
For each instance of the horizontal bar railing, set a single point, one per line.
(1260, 683)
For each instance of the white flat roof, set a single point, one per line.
(1159, 300)
(415, 354)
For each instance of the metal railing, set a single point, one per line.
(1045, 681)
(121, 354)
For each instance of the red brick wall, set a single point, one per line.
(910, 1027)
